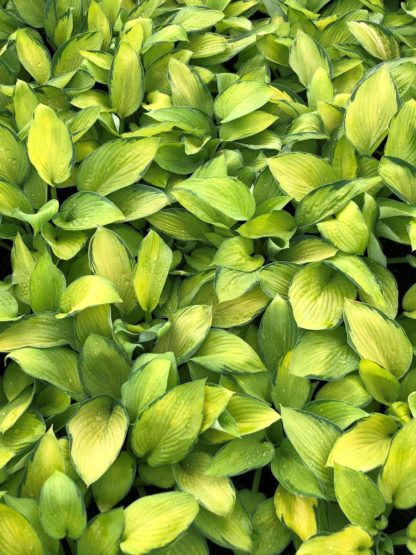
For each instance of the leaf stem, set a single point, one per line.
(141, 491)
(5, 245)
(256, 480)
(398, 260)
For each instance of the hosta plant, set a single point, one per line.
(206, 209)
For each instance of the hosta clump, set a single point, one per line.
(203, 205)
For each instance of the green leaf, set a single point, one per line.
(250, 414)
(103, 533)
(126, 80)
(97, 432)
(240, 456)
(12, 198)
(270, 536)
(115, 483)
(313, 438)
(166, 431)
(86, 210)
(33, 55)
(87, 291)
(377, 40)
(187, 87)
(116, 164)
(317, 295)
(50, 146)
(227, 353)
(240, 99)
(397, 478)
(352, 540)
(366, 445)
(323, 355)
(68, 57)
(56, 365)
(215, 493)
(298, 173)
(46, 285)
(139, 201)
(401, 140)
(16, 534)
(366, 504)
(296, 512)
(14, 162)
(306, 56)
(61, 507)
(286, 388)
(378, 338)
(379, 382)
(372, 105)
(153, 265)
(156, 521)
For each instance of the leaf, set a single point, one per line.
(351, 540)
(61, 507)
(50, 146)
(166, 431)
(97, 432)
(189, 327)
(156, 521)
(64, 244)
(68, 57)
(286, 388)
(116, 164)
(397, 478)
(241, 98)
(86, 210)
(366, 445)
(225, 352)
(313, 438)
(102, 533)
(153, 265)
(14, 162)
(56, 365)
(33, 55)
(368, 115)
(298, 173)
(270, 536)
(366, 504)
(87, 291)
(210, 199)
(109, 258)
(306, 56)
(12, 198)
(296, 512)
(401, 140)
(240, 456)
(115, 483)
(16, 534)
(379, 42)
(379, 382)
(377, 338)
(126, 80)
(323, 355)
(46, 285)
(138, 201)
(250, 414)
(399, 176)
(215, 493)
(317, 295)
(103, 366)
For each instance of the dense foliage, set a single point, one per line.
(202, 203)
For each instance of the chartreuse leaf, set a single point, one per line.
(270, 536)
(366, 503)
(233, 531)
(17, 535)
(399, 176)
(153, 265)
(215, 493)
(317, 295)
(379, 382)
(110, 259)
(126, 80)
(313, 438)
(166, 431)
(82, 211)
(12, 411)
(187, 87)
(379, 42)
(103, 533)
(33, 55)
(378, 338)
(116, 164)
(31, 12)
(241, 98)
(370, 110)
(296, 512)
(12, 198)
(366, 445)
(341, 413)
(103, 366)
(215, 402)
(189, 328)
(97, 432)
(352, 540)
(64, 244)
(46, 285)
(227, 353)
(287, 389)
(298, 173)
(68, 57)
(250, 414)
(50, 146)
(306, 56)
(87, 291)
(156, 521)
(139, 201)
(14, 162)
(347, 230)
(115, 483)
(401, 140)
(239, 456)
(397, 478)
(22, 262)
(56, 365)
(191, 542)
(324, 355)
